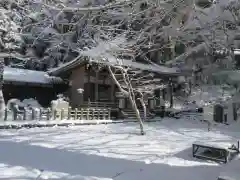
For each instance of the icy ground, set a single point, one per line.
(115, 151)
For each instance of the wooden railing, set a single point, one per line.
(100, 104)
(83, 114)
(60, 114)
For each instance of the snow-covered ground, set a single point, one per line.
(203, 95)
(113, 151)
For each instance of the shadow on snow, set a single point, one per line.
(74, 163)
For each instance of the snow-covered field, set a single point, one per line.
(114, 151)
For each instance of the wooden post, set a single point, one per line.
(226, 156)
(54, 114)
(170, 89)
(5, 114)
(87, 113)
(75, 114)
(81, 113)
(24, 114)
(209, 126)
(98, 114)
(96, 85)
(93, 113)
(14, 114)
(112, 90)
(104, 114)
(33, 114)
(164, 94)
(48, 113)
(109, 114)
(238, 146)
(62, 114)
(40, 114)
(193, 150)
(69, 113)
(158, 94)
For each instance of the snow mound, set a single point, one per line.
(25, 103)
(31, 102)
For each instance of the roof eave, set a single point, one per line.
(63, 69)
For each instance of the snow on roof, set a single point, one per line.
(236, 51)
(141, 66)
(117, 62)
(29, 76)
(222, 145)
(66, 66)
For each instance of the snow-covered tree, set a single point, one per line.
(135, 85)
(10, 43)
(167, 32)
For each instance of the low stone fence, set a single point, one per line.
(58, 114)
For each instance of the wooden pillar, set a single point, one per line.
(164, 94)
(96, 86)
(170, 88)
(158, 96)
(88, 83)
(112, 91)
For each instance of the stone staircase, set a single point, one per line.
(130, 114)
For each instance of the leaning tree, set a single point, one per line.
(134, 84)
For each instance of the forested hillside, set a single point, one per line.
(40, 34)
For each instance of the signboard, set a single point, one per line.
(119, 94)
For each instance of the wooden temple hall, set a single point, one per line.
(91, 85)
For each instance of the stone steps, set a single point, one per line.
(130, 114)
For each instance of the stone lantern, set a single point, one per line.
(122, 100)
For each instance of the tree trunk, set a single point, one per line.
(135, 109)
(132, 99)
(128, 94)
(2, 103)
(144, 107)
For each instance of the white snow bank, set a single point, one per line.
(31, 102)
(14, 101)
(45, 122)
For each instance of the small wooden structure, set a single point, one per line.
(24, 84)
(215, 152)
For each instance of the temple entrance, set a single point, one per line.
(104, 93)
